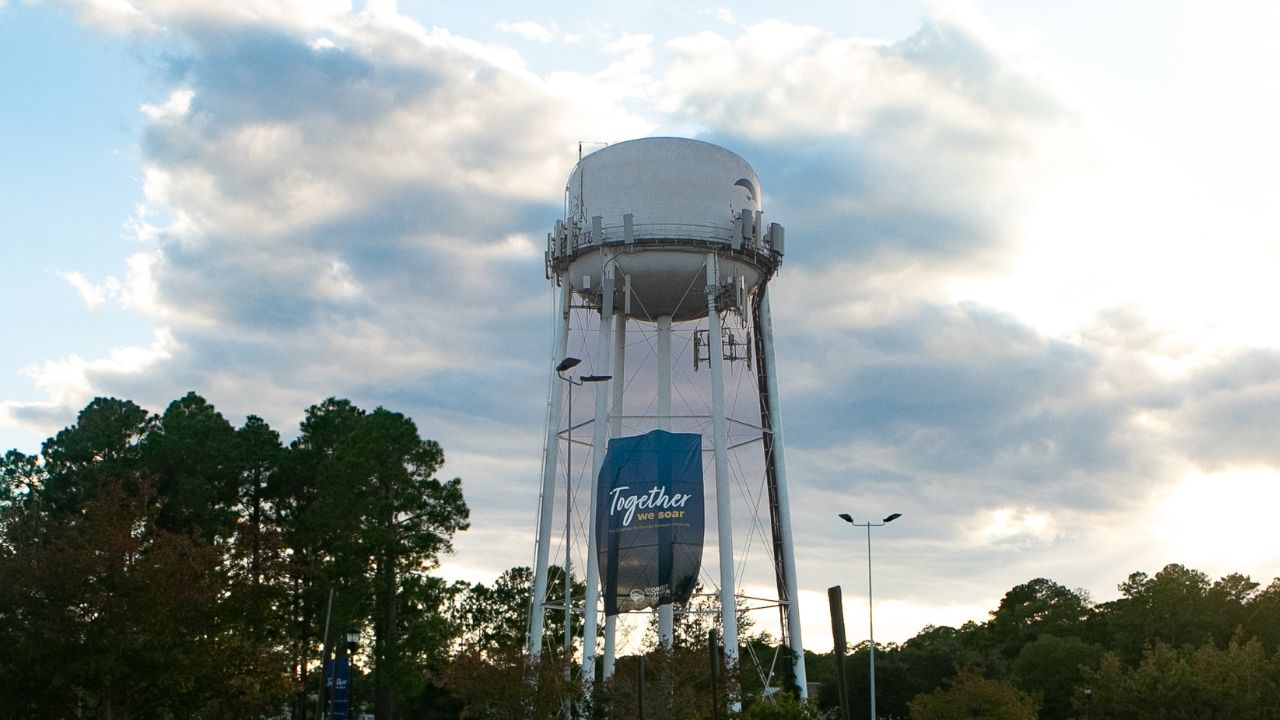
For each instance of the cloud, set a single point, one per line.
(723, 14)
(1230, 415)
(351, 203)
(529, 30)
(158, 17)
(930, 147)
(336, 203)
(176, 106)
(94, 295)
(72, 381)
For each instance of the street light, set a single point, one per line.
(871, 628)
(566, 365)
(353, 639)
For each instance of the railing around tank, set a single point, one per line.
(746, 234)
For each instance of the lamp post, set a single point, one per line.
(566, 365)
(871, 628)
(353, 639)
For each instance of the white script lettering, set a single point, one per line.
(656, 498)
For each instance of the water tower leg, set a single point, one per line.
(615, 430)
(788, 558)
(666, 618)
(600, 427)
(550, 453)
(724, 513)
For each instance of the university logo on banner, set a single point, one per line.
(650, 520)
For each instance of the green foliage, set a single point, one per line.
(1178, 606)
(104, 442)
(1052, 668)
(1262, 619)
(501, 685)
(1045, 639)
(192, 453)
(1036, 608)
(110, 615)
(677, 684)
(919, 665)
(782, 706)
(379, 520)
(490, 619)
(175, 566)
(691, 623)
(1239, 681)
(970, 695)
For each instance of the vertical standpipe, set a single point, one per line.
(550, 452)
(666, 614)
(724, 511)
(615, 430)
(599, 438)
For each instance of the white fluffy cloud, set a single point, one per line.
(349, 202)
(529, 30)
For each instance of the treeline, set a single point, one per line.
(175, 566)
(1174, 645)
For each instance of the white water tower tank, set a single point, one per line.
(662, 204)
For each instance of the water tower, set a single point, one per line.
(667, 237)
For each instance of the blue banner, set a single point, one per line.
(650, 520)
(338, 687)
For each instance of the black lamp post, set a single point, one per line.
(353, 639)
(871, 631)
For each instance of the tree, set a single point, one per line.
(919, 665)
(174, 566)
(691, 623)
(104, 442)
(191, 454)
(386, 518)
(20, 482)
(1262, 619)
(970, 695)
(783, 706)
(258, 558)
(117, 582)
(317, 541)
(498, 686)
(1052, 668)
(1239, 681)
(1177, 606)
(1035, 608)
(109, 615)
(496, 618)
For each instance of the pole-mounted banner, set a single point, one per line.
(651, 519)
(339, 688)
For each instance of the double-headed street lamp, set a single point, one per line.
(566, 365)
(871, 627)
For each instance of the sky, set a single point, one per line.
(1028, 300)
